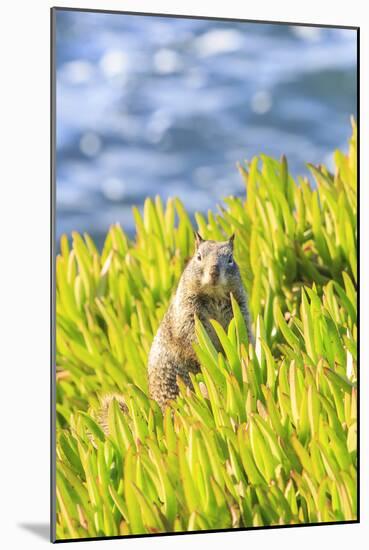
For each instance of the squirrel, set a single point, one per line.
(204, 291)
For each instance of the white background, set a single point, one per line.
(25, 278)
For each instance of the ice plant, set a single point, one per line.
(273, 438)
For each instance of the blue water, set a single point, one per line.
(149, 105)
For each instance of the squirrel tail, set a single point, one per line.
(101, 413)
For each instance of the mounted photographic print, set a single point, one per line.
(204, 274)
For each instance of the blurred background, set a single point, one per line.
(154, 105)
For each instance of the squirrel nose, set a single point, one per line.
(214, 270)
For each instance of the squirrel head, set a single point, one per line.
(212, 268)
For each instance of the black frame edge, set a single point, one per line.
(206, 531)
(209, 18)
(358, 268)
(52, 275)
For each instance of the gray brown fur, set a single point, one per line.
(203, 290)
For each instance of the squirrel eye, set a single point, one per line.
(230, 260)
(198, 257)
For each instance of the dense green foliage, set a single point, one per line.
(272, 439)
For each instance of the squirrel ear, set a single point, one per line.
(231, 239)
(198, 239)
